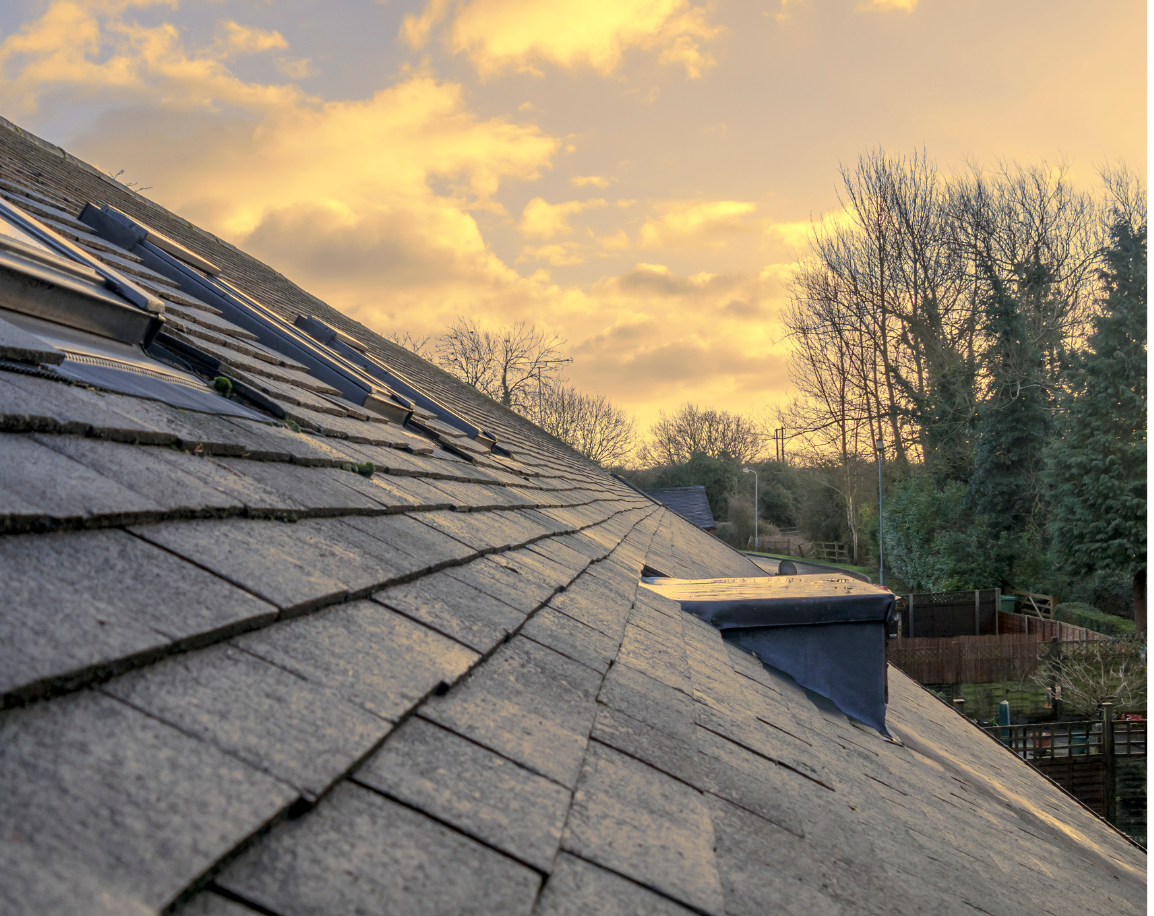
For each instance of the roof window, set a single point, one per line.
(44, 276)
(66, 314)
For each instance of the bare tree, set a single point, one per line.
(418, 346)
(885, 310)
(589, 423)
(675, 439)
(511, 365)
(1088, 672)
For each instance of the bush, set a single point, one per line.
(1083, 615)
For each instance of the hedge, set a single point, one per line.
(1083, 615)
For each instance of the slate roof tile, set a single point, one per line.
(645, 825)
(275, 721)
(99, 790)
(451, 607)
(480, 793)
(527, 703)
(114, 601)
(359, 850)
(577, 887)
(366, 653)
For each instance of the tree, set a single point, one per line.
(511, 364)
(691, 430)
(1097, 470)
(589, 423)
(719, 476)
(1013, 422)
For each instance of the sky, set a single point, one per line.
(636, 176)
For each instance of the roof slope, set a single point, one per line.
(689, 502)
(239, 677)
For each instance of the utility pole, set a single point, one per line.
(755, 506)
(880, 446)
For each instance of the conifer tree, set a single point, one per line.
(1013, 422)
(1097, 470)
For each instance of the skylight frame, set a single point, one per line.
(55, 280)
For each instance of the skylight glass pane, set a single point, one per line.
(10, 231)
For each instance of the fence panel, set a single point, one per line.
(946, 614)
(966, 659)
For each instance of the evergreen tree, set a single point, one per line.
(1013, 422)
(1097, 470)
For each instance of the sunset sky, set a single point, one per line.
(637, 175)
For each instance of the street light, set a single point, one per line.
(754, 473)
(880, 446)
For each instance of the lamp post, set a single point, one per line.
(754, 473)
(880, 446)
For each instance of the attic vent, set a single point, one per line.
(828, 632)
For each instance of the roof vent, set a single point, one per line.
(828, 632)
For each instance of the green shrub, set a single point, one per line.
(1083, 615)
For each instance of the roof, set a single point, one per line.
(689, 502)
(244, 672)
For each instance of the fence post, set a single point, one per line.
(911, 616)
(997, 611)
(977, 613)
(1108, 750)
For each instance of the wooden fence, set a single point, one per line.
(1080, 756)
(1013, 657)
(944, 615)
(966, 659)
(947, 614)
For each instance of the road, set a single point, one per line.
(804, 567)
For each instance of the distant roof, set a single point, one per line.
(688, 502)
(333, 651)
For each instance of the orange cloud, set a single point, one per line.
(701, 223)
(544, 220)
(521, 35)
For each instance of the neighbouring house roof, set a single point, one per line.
(245, 672)
(690, 503)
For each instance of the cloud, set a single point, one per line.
(557, 255)
(887, 6)
(543, 220)
(701, 223)
(522, 35)
(596, 181)
(89, 47)
(241, 39)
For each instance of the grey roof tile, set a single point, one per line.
(403, 535)
(659, 749)
(368, 654)
(174, 480)
(475, 790)
(78, 606)
(526, 703)
(111, 799)
(449, 606)
(577, 888)
(571, 638)
(29, 404)
(643, 824)
(206, 903)
(40, 485)
(277, 722)
(297, 567)
(359, 852)
(591, 602)
(525, 593)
